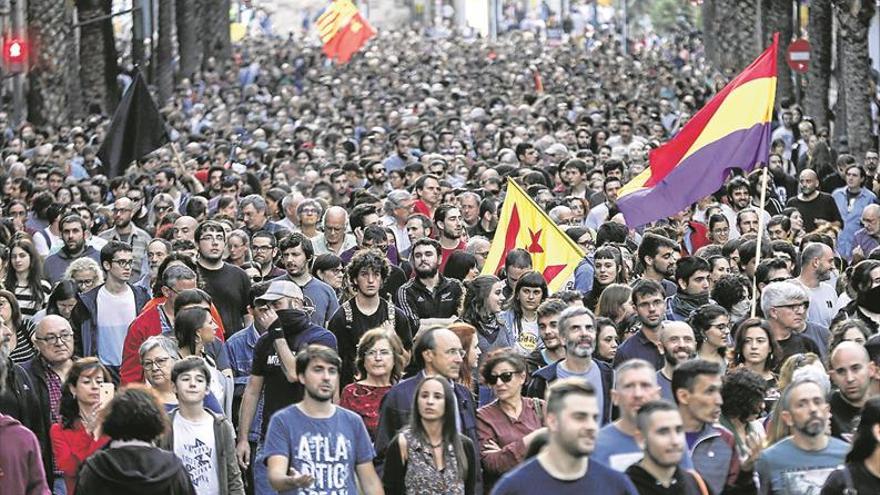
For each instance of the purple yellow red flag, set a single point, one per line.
(523, 224)
(343, 30)
(731, 131)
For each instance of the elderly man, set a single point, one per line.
(126, 231)
(867, 238)
(785, 307)
(397, 208)
(254, 212)
(335, 240)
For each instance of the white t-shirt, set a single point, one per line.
(115, 314)
(822, 301)
(196, 447)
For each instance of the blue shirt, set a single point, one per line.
(786, 469)
(240, 348)
(532, 478)
(619, 451)
(327, 448)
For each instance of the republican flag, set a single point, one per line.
(523, 224)
(731, 131)
(343, 30)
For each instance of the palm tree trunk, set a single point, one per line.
(54, 92)
(854, 17)
(731, 27)
(818, 79)
(777, 19)
(165, 52)
(217, 41)
(188, 41)
(98, 66)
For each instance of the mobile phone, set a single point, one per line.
(107, 392)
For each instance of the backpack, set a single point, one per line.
(389, 322)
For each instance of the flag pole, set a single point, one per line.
(177, 159)
(760, 240)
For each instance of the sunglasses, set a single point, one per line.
(505, 377)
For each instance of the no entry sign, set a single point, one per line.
(798, 55)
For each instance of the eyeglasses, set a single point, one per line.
(135, 198)
(382, 353)
(263, 248)
(164, 207)
(778, 279)
(86, 282)
(505, 377)
(54, 339)
(156, 363)
(123, 263)
(803, 306)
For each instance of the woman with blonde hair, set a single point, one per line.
(794, 366)
(379, 364)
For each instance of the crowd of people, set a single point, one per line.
(297, 302)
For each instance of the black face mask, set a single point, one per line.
(870, 299)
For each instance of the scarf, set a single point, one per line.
(685, 304)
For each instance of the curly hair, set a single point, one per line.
(743, 391)
(135, 414)
(368, 259)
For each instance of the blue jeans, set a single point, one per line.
(60, 487)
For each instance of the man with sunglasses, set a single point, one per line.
(280, 311)
(577, 331)
(102, 315)
(785, 307)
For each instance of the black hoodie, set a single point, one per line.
(133, 470)
(685, 482)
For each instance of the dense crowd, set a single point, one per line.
(296, 302)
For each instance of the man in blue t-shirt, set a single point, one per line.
(564, 467)
(314, 446)
(802, 462)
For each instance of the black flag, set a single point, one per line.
(136, 130)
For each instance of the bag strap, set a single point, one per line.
(539, 410)
(704, 490)
(848, 479)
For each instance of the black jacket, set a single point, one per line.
(22, 403)
(685, 482)
(133, 470)
(542, 379)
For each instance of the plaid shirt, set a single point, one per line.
(53, 382)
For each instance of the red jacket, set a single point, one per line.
(71, 448)
(146, 325)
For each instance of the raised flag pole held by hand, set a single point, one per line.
(760, 239)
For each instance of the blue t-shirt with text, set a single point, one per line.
(327, 448)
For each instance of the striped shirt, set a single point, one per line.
(28, 302)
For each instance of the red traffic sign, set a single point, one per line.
(798, 55)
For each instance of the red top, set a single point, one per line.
(419, 206)
(71, 448)
(446, 253)
(364, 400)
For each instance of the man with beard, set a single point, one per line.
(73, 229)
(552, 349)
(577, 331)
(662, 433)
(429, 298)
(692, 277)
(816, 207)
(817, 263)
(851, 370)
(296, 258)
(228, 284)
(334, 453)
(565, 464)
(377, 179)
(696, 386)
(264, 249)
(658, 255)
(647, 297)
(867, 238)
(801, 463)
(366, 310)
(447, 218)
(739, 196)
(126, 231)
(679, 346)
(602, 212)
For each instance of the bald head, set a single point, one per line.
(51, 323)
(871, 219)
(53, 339)
(850, 352)
(851, 370)
(185, 228)
(808, 173)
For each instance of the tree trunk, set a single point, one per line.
(817, 80)
(54, 92)
(217, 40)
(854, 17)
(729, 29)
(98, 66)
(165, 52)
(189, 44)
(777, 19)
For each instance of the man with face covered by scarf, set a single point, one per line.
(692, 277)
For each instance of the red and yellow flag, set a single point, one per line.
(523, 224)
(343, 30)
